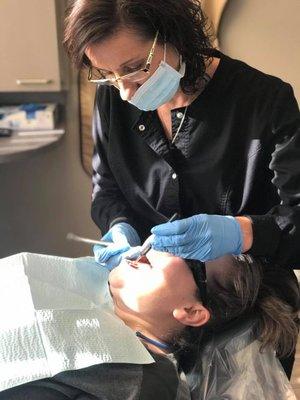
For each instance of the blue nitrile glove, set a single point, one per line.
(201, 237)
(123, 237)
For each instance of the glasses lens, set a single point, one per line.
(135, 76)
(110, 79)
(97, 75)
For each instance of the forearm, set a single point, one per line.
(276, 235)
(109, 206)
(107, 211)
(247, 232)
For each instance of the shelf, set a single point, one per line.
(22, 144)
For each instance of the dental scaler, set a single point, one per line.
(147, 245)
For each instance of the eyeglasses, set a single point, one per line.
(95, 75)
(199, 273)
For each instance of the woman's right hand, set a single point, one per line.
(125, 242)
(201, 237)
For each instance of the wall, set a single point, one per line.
(47, 196)
(265, 34)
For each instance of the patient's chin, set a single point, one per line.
(115, 280)
(123, 273)
(116, 273)
(125, 308)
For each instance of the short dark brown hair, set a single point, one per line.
(181, 23)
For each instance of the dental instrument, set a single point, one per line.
(146, 246)
(72, 236)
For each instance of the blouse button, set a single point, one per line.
(174, 176)
(179, 115)
(142, 128)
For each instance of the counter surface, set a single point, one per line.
(21, 145)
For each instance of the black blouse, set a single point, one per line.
(237, 153)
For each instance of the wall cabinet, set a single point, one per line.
(29, 46)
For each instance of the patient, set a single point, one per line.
(163, 297)
(176, 306)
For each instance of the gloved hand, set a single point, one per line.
(122, 236)
(201, 237)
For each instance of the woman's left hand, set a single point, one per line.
(201, 237)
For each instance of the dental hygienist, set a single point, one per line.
(180, 127)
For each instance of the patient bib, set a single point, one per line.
(56, 315)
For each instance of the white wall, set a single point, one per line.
(266, 35)
(47, 196)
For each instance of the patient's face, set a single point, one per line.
(152, 288)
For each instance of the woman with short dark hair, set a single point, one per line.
(180, 127)
(180, 23)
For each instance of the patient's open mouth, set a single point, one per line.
(133, 263)
(136, 264)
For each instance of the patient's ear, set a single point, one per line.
(192, 315)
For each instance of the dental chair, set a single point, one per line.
(59, 339)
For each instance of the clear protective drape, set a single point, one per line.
(234, 368)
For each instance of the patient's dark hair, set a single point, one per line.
(241, 285)
(182, 23)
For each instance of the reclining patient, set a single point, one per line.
(203, 319)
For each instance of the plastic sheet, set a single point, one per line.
(234, 368)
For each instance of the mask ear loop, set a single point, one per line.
(165, 50)
(165, 53)
(180, 58)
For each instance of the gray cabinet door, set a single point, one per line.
(29, 59)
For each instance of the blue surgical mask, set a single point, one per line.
(159, 88)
